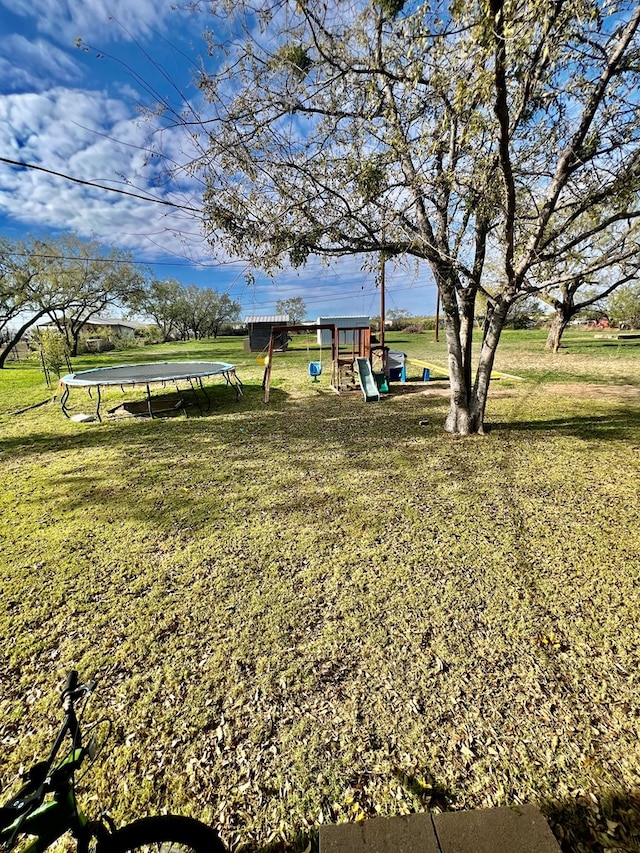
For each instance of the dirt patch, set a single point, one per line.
(584, 390)
(629, 393)
(163, 405)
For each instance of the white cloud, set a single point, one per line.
(93, 138)
(106, 20)
(100, 139)
(32, 65)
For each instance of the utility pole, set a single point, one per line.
(382, 305)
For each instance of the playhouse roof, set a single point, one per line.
(282, 319)
(345, 319)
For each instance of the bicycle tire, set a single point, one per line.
(163, 834)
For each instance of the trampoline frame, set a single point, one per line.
(162, 373)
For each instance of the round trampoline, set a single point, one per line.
(191, 372)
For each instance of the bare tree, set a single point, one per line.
(444, 131)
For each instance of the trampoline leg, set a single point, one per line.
(149, 407)
(98, 404)
(63, 402)
(206, 396)
(195, 396)
(236, 384)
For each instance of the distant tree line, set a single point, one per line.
(67, 281)
(621, 307)
(182, 312)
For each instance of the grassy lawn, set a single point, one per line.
(320, 610)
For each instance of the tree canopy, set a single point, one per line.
(160, 301)
(202, 310)
(452, 132)
(185, 311)
(89, 280)
(24, 295)
(295, 308)
(67, 280)
(624, 305)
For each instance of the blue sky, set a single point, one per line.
(77, 111)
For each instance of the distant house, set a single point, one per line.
(115, 326)
(259, 329)
(111, 327)
(358, 321)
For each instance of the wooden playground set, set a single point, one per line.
(358, 365)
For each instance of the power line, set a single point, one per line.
(99, 186)
(365, 293)
(185, 263)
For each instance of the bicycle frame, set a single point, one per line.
(46, 808)
(48, 821)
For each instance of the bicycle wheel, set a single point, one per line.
(163, 834)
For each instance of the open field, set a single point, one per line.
(320, 610)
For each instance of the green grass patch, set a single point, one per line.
(321, 610)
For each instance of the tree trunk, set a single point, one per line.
(468, 403)
(558, 325)
(490, 341)
(459, 421)
(4, 353)
(75, 337)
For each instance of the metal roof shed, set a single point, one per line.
(259, 328)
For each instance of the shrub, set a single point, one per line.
(54, 352)
(125, 341)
